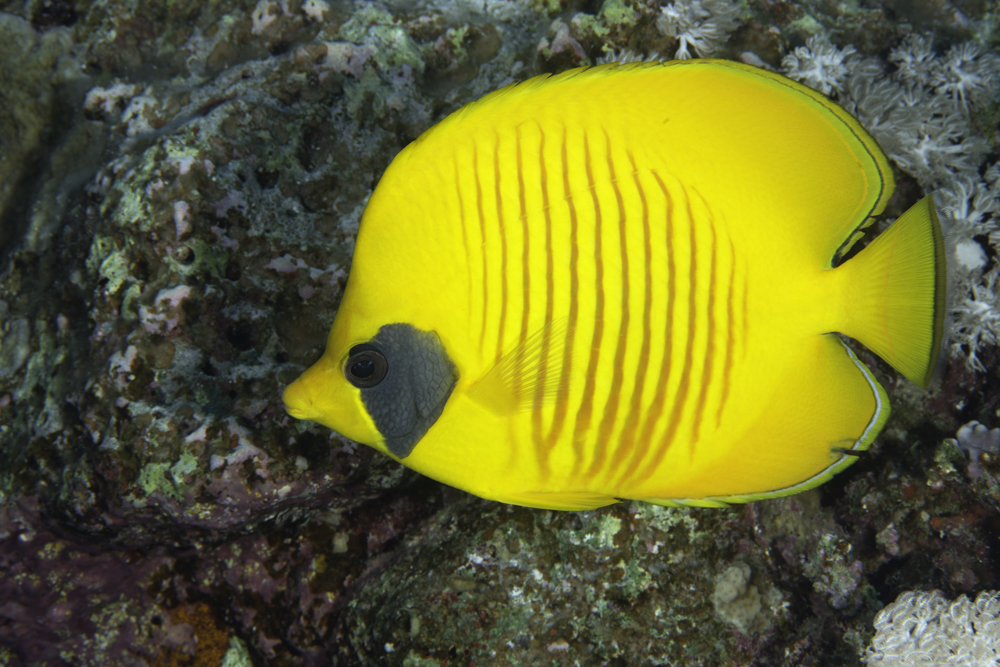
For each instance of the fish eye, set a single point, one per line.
(366, 366)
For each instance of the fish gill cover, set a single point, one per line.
(181, 188)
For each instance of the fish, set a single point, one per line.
(629, 282)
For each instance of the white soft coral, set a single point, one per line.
(977, 320)
(926, 133)
(627, 56)
(819, 64)
(926, 629)
(914, 59)
(971, 207)
(936, 144)
(702, 25)
(966, 75)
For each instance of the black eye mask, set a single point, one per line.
(405, 377)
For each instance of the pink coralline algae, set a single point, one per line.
(165, 313)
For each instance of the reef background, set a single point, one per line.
(180, 185)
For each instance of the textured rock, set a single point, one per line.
(31, 123)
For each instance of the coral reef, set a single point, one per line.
(926, 629)
(180, 187)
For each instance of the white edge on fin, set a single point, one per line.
(824, 475)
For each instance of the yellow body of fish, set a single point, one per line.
(617, 283)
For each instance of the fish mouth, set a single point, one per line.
(298, 400)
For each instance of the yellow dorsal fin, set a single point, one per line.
(529, 376)
(685, 117)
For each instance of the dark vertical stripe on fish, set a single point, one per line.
(526, 287)
(744, 338)
(585, 413)
(542, 447)
(677, 409)
(660, 393)
(562, 404)
(627, 443)
(614, 398)
(482, 232)
(727, 369)
(465, 237)
(712, 334)
(503, 250)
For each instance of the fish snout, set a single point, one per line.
(298, 400)
(322, 395)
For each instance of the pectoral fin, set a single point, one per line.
(531, 375)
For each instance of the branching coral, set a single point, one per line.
(702, 25)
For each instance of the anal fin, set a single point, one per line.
(559, 500)
(831, 406)
(825, 406)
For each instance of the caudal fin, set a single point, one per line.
(899, 293)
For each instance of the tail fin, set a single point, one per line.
(899, 292)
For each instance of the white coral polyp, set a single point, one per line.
(977, 320)
(699, 25)
(923, 629)
(914, 59)
(819, 64)
(966, 75)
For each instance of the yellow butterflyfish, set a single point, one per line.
(620, 282)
